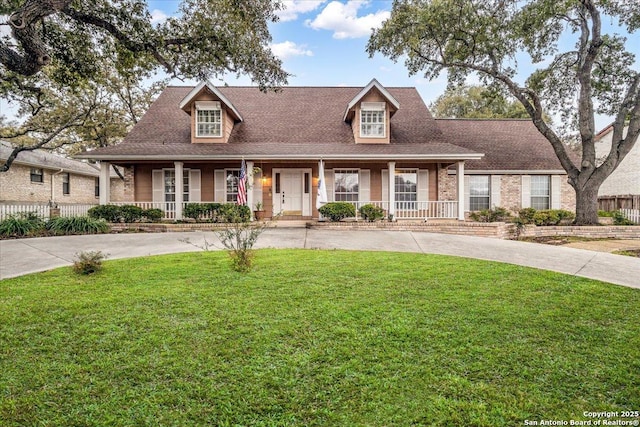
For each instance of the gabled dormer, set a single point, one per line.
(370, 112)
(212, 114)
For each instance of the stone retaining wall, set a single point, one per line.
(494, 229)
(498, 230)
(591, 231)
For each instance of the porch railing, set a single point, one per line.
(414, 210)
(403, 210)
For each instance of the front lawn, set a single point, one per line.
(319, 338)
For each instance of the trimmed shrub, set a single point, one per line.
(131, 213)
(620, 219)
(202, 211)
(76, 225)
(232, 213)
(193, 211)
(552, 217)
(110, 213)
(88, 262)
(337, 211)
(21, 225)
(371, 212)
(526, 215)
(496, 214)
(153, 214)
(606, 214)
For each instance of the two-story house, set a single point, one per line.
(378, 145)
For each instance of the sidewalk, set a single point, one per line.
(19, 257)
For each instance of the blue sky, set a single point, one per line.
(322, 43)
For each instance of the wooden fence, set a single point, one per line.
(614, 203)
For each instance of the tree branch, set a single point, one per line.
(621, 144)
(587, 56)
(17, 150)
(131, 45)
(534, 111)
(24, 23)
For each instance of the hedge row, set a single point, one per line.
(217, 212)
(544, 217)
(126, 213)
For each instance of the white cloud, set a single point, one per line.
(158, 16)
(293, 8)
(343, 19)
(288, 49)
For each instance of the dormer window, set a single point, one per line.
(372, 120)
(208, 119)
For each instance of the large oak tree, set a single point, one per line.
(75, 68)
(488, 37)
(476, 102)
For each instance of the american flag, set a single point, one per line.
(242, 185)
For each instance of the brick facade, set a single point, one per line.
(625, 179)
(510, 190)
(16, 186)
(128, 187)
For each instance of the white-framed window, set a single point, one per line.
(479, 192)
(346, 185)
(208, 119)
(406, 187)
(540, 191)
(97, 186)
(170, 185)
(66, 184)
(233, 178)
(372, 120)
(37, 175)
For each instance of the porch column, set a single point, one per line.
(105, 183)
(392, 189)
(460, 186)
(179, 170)
(250, 187)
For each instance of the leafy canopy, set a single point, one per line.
(79, 69)
(476, 102)
(490, 37)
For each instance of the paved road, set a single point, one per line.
(18, 257)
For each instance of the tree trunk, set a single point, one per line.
(587, 203)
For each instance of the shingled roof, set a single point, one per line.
(294, 123)
(508, 144)
(48, 160)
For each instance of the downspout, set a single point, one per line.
(52, 202)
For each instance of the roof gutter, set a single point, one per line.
(390, 157)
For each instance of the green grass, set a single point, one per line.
(317, 338)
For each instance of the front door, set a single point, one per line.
(290, 192)
(287, 195)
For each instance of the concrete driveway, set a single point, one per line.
(19, 257)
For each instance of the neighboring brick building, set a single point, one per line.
(377, 145)
(40, 176)
(625, 180)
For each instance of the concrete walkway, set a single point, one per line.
(18, 257)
